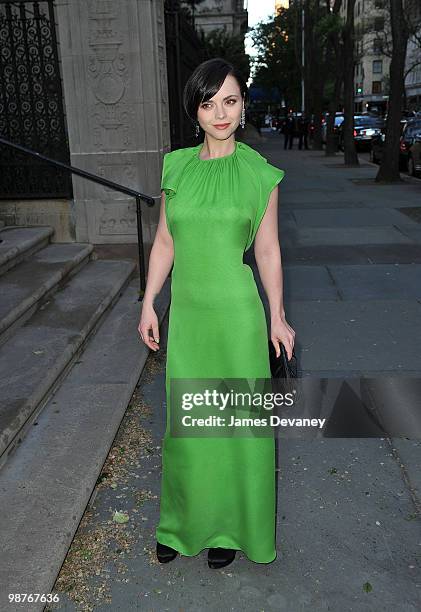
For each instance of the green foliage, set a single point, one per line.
(327, 25)
(276, 65)
(218, 43)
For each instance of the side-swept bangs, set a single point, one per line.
(206, 80)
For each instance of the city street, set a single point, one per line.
(348, 534)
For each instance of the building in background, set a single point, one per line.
(228, 15)
(373, 49)
(371, 68)
(413, 63)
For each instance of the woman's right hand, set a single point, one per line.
(149, 321)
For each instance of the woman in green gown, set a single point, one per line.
(217, 492)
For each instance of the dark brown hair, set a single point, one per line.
(206, 80)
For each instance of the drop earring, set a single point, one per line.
(197, 129)
(243, 116)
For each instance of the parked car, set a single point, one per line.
(366, 127)
(409, 137)
(414, 157)
(409, 114)
(411, 128)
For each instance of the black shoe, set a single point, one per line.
(220, 557)
(165, 553)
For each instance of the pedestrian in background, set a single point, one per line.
(258, 123)
(303, 128)
(288, 129)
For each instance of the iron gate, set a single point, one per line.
(184, 53)
(31, 101)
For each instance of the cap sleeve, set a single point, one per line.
(269, 177)
(167, 178)
(172, 169)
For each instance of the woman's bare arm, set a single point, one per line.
(267, 253)
(161, 257)
(160, 263)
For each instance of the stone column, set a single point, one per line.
(115, 90)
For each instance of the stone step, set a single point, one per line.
(48, 481)
(34, 361)
(18, 243)
(24, 287)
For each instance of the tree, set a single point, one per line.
(389, 167)
(276, 65)
(218, 43)
(335, 60)
(316, 25)
(350, 152)
(322, 25)
(323, 56)
(412, 14)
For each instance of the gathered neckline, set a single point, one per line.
(214, 159)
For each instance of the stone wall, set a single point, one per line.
(116, 100)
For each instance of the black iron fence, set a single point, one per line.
(31, 102)
(184, 53)
(150, 201)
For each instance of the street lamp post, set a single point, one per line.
(302, 56)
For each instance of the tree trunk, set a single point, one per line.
(317, 134)
(318, 92)
(389, 167)
(316, 70)
(350, 153)
(308, 56)
(336, 52)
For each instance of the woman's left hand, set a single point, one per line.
(281, 331)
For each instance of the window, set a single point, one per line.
(377, 46)
(376, 87)
(378, 66)
(368, 121)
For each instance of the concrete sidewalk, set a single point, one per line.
(348, 532)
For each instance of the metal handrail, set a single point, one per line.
(149, 200)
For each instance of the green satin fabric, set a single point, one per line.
(216, 491)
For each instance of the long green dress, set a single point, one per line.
(216, 491)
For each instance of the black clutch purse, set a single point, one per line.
(281, 367)
(284, 372)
